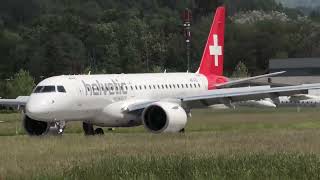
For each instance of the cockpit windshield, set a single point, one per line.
(49, 89)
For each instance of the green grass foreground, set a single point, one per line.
(241, 144)
(254, 166)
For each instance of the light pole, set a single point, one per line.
(187, 18)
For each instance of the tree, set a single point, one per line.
(21, 84)
(240, 71)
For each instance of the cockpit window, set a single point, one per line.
(47, 89)
(38, 89)
(61, 89)
(44, 89)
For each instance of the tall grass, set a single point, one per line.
(251, 166)
(249, 144)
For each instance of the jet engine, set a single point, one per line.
(38, 128)
(164, 117)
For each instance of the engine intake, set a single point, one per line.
(164, 117)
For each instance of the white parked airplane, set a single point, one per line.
(303, 100)
(160, 102)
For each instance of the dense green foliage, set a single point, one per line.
(48, 37)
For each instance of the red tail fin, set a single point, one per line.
(212, 58)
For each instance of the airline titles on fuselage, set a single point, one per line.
(110, 88)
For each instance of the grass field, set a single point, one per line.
(240, 144)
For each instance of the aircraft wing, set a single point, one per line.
(19, 101)
(245, 80)
(229, 95)
(134, 106)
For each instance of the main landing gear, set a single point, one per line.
(90, 131)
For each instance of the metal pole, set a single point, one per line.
(187, 18)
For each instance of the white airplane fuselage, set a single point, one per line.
(99, 98)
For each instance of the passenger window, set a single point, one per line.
(61, 89)
(178, 86)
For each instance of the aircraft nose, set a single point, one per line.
(32, 108)
(38, 109)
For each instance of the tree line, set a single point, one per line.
(48, 37)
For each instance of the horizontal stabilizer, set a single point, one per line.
(241, 81)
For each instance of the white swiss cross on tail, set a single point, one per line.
(215, 50)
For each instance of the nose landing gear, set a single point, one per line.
(61, 125)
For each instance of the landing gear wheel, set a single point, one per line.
(182, 131)
(88, 129)
(61, 125)
(99, 131)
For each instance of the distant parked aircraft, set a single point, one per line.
(160, 102)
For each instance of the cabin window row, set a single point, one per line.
(163, 86)
(151, 87)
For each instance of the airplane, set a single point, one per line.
(161, 102)
(302, 100)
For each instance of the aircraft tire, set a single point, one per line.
(99, 131)
(182, 131)
(88, 129)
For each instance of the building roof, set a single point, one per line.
(294, 63)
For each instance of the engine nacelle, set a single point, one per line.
(38, 128)
(164, 117)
